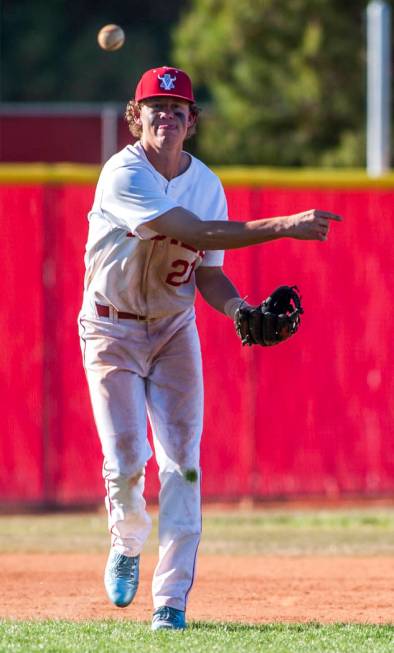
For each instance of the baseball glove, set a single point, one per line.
(274, 320)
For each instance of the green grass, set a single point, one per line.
(127, 637)
(368, 531)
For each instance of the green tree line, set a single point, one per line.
(286, 79)
(49, 49)
(281, 82)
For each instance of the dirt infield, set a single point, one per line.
(256, 589)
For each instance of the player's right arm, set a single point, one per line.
(219, 234)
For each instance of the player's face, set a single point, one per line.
(165, 120)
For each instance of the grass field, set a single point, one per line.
(110, 636)
(367, 531)
(287, 532)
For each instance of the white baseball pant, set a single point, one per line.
(134, 369)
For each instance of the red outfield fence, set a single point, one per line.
(314, 416)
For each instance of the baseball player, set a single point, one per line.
(157, 231)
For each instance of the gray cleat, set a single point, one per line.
(168, 618)
(121, 578)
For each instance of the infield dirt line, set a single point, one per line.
(253, 589)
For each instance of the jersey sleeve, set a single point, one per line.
(218, 211)
(133, 199)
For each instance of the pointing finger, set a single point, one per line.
(329, 216)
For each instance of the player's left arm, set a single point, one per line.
(217, 289)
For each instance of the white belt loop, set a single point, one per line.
(113, 314)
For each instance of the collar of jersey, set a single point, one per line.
(137, 146)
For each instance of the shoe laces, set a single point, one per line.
(124, 566)
(165, 612)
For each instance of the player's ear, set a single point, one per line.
(191, 119)
(137, 114)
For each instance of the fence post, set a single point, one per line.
(109, 132)
(378, 87)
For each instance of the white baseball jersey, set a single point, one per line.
(128, 265)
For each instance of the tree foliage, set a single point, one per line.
(285, 79)
(49, 50)
(282, 81)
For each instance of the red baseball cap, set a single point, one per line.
(164, 81)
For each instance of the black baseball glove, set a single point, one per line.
(274, 320)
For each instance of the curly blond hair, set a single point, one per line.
(136, 130)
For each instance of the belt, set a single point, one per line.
(106, 311)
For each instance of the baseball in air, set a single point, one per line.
(111, 37)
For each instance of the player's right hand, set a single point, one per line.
(311, 225)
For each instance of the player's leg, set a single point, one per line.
(175, 405)
(118, 399)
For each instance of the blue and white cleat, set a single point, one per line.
(121, 578)
(168, 618)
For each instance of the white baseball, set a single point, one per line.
(111, 37)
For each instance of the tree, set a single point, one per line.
(285, 79)
(49, 51)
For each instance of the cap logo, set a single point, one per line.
(167, 82)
